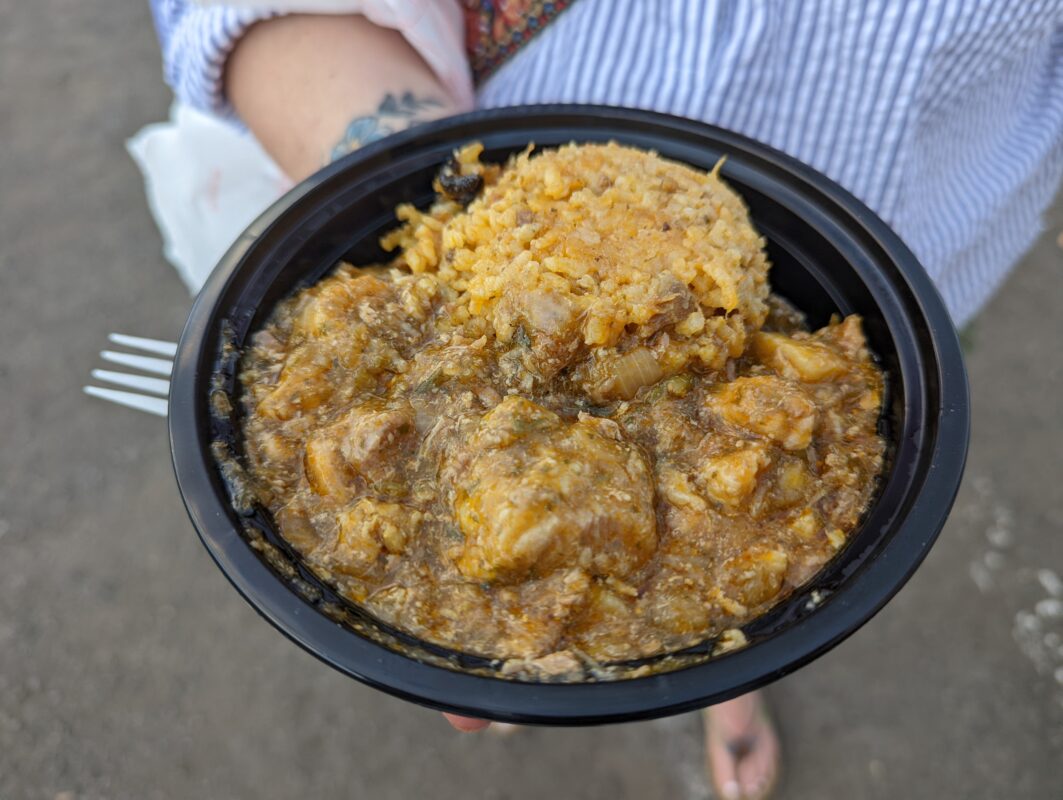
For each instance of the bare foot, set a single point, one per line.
(741, 748)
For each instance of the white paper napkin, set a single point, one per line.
(206, 181)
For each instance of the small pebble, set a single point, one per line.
(1027, 621)
(1049, 608)
(999, 537)
(981, 577)
(1051, 582)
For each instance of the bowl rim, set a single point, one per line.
(586, 702)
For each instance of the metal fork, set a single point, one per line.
(152, 391)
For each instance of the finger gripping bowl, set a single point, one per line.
(831, 254)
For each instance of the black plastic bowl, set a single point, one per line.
(830, 253)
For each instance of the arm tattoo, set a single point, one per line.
(393, 114)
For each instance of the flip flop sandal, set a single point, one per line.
(740, 747)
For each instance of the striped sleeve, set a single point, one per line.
(195, 43)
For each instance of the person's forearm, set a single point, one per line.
(312, 87)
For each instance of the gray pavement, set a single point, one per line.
(130, 669)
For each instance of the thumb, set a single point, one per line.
(466, 724)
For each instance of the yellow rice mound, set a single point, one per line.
(614, 232)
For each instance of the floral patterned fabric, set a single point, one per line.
(496, 29)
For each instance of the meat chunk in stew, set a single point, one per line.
(772, 407)
(542, 493)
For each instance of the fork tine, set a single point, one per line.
(152, 405)
(156, 366)
(156, 346)
(153, 385)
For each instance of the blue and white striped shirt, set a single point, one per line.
(945, 116)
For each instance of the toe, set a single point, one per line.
(723, 766)
(758, 770)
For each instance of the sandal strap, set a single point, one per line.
(742, 746)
